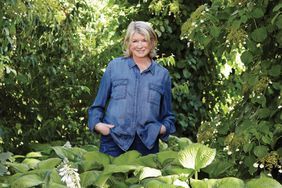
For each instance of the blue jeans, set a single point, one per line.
(108, 146)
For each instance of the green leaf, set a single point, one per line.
(218, 168)
(230, 182)
(166, 156)
(148, 160)
(30, 180)
(127, 158)
(72, 154)
(261, 151)
(32, 163)
(88, 178)
(215, 31)
(259, 35)
(4, 156)
(146, 172)
(109, 169)
(275, 70)
(277, 7)
(18, 167)
(49, 163)
(3, 170)
(196, 156)
(279, 21)
(34, 154)
(247, 57)
(257, 13)
(210, 183)
(263, 113)
(94, 160)
(263, 182)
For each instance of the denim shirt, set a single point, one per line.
(134, 102)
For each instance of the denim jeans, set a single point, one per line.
(108, 146)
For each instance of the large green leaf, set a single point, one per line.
(166, 156)
(148, 160)
(49, 163)
(146, 172)
(72, 154)
(32, 163)
(263, 182)
(30, 180)
(127, 158)
(218, 168)
(88, 178)
(94, 160)
(18, 167)
(230, 182)
(196, 156)
(211, 183)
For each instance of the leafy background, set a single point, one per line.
(224, 57)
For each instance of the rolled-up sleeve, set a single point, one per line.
(97, 109)
(167, 116)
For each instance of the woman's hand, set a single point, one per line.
(103, 128)
(162, 130)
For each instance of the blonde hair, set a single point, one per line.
(143, 28)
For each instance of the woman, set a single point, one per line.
(133, 109)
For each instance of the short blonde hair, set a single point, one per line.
(145, 29)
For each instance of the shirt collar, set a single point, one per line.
(151, 68)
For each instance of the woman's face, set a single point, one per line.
(139, 46)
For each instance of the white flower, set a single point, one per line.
(67, 145)
(229, 152)
(240, 162)
(269, 174)
(280, 171)
(261, 165)
(69, 175)
(237, 149)
(255, 165)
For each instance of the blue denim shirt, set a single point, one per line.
(134, 102)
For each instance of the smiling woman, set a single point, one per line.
(138, 93)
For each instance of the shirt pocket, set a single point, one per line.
(155, 94)
(119, 89)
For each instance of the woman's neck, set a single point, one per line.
(142, 63)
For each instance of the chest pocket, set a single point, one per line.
(155, 94)
(119, 89)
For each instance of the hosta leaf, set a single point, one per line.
(30, 180)
(5, 156)
(120, 168)
(230, 182)
(72, 154)
(88, 178)
(203, 183)
(263, 182)
(94, 160)
(148, 160)
(166, 156)
(196, 156)
(146, 172)
(18, 167)
(49, 163)
(126, 158)
(34, 154)
(32, 163)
